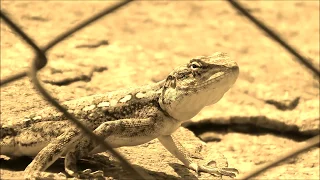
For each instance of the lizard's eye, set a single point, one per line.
(195, 65)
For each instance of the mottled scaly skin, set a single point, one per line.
(42, 127)
(124, 118)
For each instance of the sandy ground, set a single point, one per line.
(143, 41)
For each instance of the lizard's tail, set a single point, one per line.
(7, 140)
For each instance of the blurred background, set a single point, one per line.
(273, 106)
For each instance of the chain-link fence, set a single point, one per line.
(40, 61)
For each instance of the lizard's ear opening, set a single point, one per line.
(170, 82)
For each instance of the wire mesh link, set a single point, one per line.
(56, 40)
(40, 61)
(312, 141)
(274, 36)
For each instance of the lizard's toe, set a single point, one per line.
(44, 175)
(88, 173)
(231, 172)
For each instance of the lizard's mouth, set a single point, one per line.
(218, 80)
(223, 78)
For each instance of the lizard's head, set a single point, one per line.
(201, 82)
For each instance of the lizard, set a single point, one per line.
(124, 117)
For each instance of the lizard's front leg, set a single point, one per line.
(175, 148)
(50, 154)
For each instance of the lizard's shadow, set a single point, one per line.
(183, 171)
(16, 164)
(186, 173)
(111, 168)
(20, 163)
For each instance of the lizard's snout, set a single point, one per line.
(235, 68)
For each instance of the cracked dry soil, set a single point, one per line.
(273, 107)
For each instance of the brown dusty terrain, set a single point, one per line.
(143, 41)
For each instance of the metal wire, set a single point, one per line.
(136, 173)
(84, 24)
(40, 61)
(56, 40)
(274, 36)
(310, 143)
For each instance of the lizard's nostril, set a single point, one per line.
(236, 68)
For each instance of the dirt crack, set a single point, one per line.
(207, 129)
(64, 78)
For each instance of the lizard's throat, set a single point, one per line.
(185, 106)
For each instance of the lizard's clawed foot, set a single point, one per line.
(223, 171)
(44, 176)
(216, 171)
(88, 173)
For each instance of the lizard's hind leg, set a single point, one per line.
(71, 158)
(83, 148)
(86, 146)
(50, 154)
